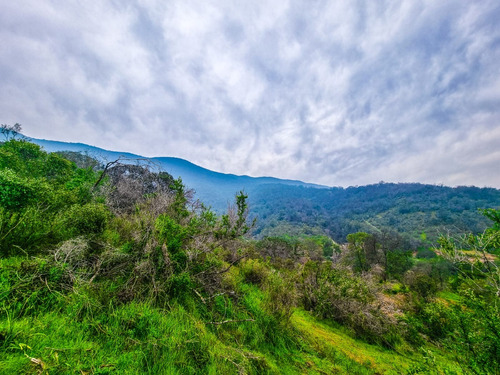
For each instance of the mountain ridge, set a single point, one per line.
(299, 208)
(214, 188)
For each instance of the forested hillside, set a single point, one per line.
(409, 209)
(116, 269)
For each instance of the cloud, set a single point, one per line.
(339, 93)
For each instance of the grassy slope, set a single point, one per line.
(75, 333)
(59, 344)
(78, 334)
(371, 359)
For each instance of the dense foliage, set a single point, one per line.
(115, 269)
(409, 209)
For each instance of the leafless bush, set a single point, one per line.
(82, 262)
(131, 185)
(333, 291)
(73, 251)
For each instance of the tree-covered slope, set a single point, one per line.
(405, 208)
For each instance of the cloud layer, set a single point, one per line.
(332, 92)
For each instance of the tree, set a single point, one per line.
(38, 190)
(363, 249)
(473, 256)
(10, 131)
(394, 253)
(235, 224)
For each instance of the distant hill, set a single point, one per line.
(212, 188)
(296, 208)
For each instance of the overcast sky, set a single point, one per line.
(333, 92)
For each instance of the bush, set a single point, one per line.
(180, 285)
(426, 254)
(331, 292)
(398, 262)
(280, 298)
(254, 271)
(25, 231)
(15, 192)
(421, 283)
(89, 219)
(437, 320)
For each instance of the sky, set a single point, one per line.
(338, 92)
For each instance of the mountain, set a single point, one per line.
(212, 188)
(289, 207)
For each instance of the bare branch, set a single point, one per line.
(231, 321)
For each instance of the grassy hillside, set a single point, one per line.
(120, 271)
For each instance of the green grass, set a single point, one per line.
(449, 296)
(357, 357)
(80, 334)
(45, 329)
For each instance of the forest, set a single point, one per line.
(408, 209)
(116, 269)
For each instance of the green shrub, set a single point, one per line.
(398, 262)
(424, 253)
(15, 192)
(33, 286)
(180, 285)
(25, 231)
(89, 219)
(437, 320)
(254, 271)
(421, 283)
(341, 295)
(281, 296)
